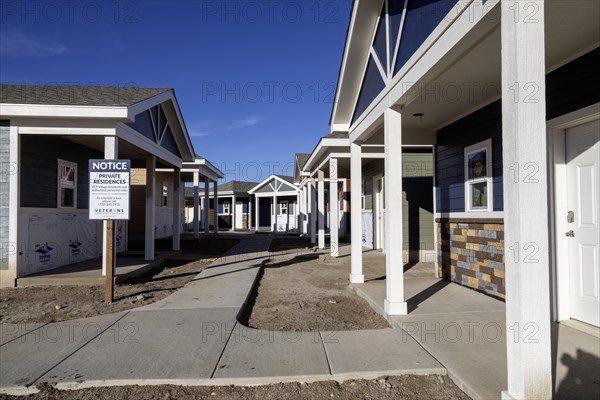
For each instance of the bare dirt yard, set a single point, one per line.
(395, 387)
(42, 304)
(302, 292)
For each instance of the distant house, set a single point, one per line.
(276, 207)
(47, 136)
(331, 158)
(234, 208)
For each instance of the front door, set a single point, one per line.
(583, 201)
(239, 215)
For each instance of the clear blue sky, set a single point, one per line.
(255, 79)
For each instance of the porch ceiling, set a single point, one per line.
(469, 77)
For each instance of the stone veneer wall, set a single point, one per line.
(471, 253)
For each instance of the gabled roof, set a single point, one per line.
(301, 159)
(231, 187)
(288, 179)
(282, 179)
(235, 187)
(76, 95)
(130, 108)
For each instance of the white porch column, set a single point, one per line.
(111, 152)
(150, 205)
(525, 203)
(312, 211)
(321, 207)
(300, 212)
(216, 208)
(206, 209)
(250, 212)
(395, 303)
(344, 208)
(256, 209)
(233, 212)
(176, 209)
(356, 270)
(196, 221)
(8, 277)
(306, 208)
(297, 212)
(274, 214)
(333, 207)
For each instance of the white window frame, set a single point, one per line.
(283, 205)
(488, 179)
(60, 184)
(226, 208)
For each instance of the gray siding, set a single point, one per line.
(39, 169)
(485, 123)
(417, 202)
(4, 190)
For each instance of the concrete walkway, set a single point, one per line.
(466, 332)
(193, 338)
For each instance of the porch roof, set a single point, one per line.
(86, 114)
(286, 182)
(115, 96)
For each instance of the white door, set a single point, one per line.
(583, 193)
(239, 210)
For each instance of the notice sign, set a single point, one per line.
(109, 189)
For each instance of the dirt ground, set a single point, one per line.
(396, 387)
(305, 293)
(44, 304)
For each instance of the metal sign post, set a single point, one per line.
(109, 201)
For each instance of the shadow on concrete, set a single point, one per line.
(413, 302)
(582, 380)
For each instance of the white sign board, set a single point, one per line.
(109, 189)
(282, 223)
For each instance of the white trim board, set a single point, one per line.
(471, 215)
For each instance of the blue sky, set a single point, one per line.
(255, 79)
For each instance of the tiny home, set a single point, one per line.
(47, 135)
(507, 94)
(276, 204)
(234, 209)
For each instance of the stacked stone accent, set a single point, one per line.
(471, 253)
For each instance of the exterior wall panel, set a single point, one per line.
(4, 191)
(39, 170)
(452, 140)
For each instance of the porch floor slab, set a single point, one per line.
(89, 272)
(466, 332)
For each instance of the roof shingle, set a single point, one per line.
(76, 95)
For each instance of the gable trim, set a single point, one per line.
(268, 181)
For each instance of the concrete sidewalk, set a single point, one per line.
(193, 338)
(466, 332)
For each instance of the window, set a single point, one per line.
(284, 208)
(67, 184)
(225, 207)
(478, 176)
(165, 194)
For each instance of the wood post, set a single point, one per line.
(110, 255)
